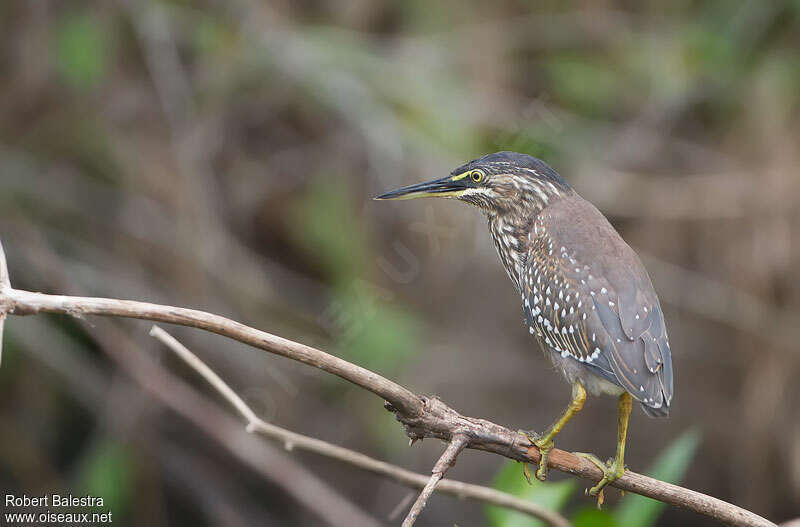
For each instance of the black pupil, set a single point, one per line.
(476, 176)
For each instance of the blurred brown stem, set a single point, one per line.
(421, 416)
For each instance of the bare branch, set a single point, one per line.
(448, 459)
(5, 283)
(4, 280)
(29, 303)
(294, 440)
(422, 417)
(209, 375)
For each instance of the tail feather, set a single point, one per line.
(663, 411)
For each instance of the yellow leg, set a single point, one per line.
(545, 442)
(615, 468)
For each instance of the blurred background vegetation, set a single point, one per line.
(223, 155)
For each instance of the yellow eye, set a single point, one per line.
(477, 176)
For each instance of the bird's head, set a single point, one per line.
(499, 183)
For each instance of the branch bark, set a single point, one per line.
(421, 416)
(292, 440)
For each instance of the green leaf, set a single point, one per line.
(510, 479)
(108, 473)
(81, 50)
(670, 466)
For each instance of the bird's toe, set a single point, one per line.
(612, 469)
(544, 445)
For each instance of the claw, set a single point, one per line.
(544, 446)
(612, 471)
(526, 471)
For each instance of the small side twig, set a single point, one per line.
(447, 460)
(299, 441)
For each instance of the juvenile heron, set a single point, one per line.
(586, 295)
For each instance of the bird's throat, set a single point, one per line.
(510, 239)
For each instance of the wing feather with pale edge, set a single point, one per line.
(603, 314)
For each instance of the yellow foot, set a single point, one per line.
(544, 446)
(612, 471)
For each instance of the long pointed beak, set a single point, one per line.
(444, 187)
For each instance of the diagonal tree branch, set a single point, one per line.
(23, 303)
(421, 416)
(5, 283)
(292, 440)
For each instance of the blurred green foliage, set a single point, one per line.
(108, 472)
(569, 73)
(669, 466)
(368, 329)
(592, 517)
(549, 495)
(326, 227)
(376, 334)
(81, 50)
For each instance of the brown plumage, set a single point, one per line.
(586, 295)
(588, 298)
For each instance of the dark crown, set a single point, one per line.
(513, 162)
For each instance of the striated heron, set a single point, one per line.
(586, 295)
